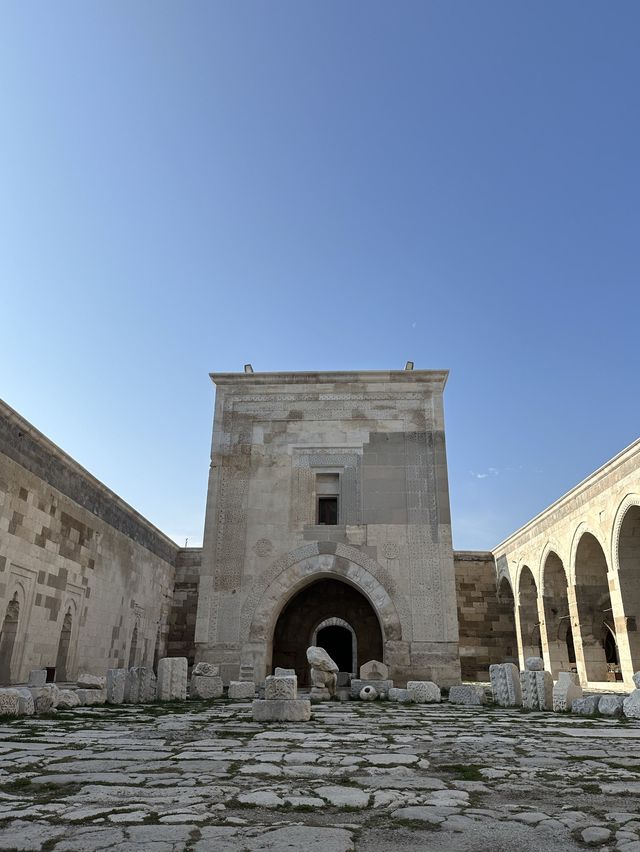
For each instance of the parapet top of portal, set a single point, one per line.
(435, 378)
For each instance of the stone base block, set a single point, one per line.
(423, 691)
(242, 689)
(586, 706)
(382, 687)
(92, 696)
(89, 681)
(172, 679)
(632, 705)
(320, 693)
(399, 695)
(203, 686)
(37, 677)
(611, 705)
(206, 669)
(68, 700)
(282, 710)
(45, 698)
(27, 704)
(141, 685)
(116, 680)
(9, 702)
(467, 694)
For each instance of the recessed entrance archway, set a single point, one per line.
(330, 634)
(8, 638)
(598, 646)
(63, 647)
(557, 620)
(327, 600)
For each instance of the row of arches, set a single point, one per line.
(583, 616)
(10, 633)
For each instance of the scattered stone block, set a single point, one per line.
(204, 686)
(9, 702)
(368, 693)
(399, 695)
(140, 686)
(343, 678)
(424, 692)
(206, 669)
(382, 687)
(467, 694)
(631, 705)
(27, 704)
(585, 706)
(68, 700)
(537, 689)
(534, 664)
(276, 688)
(565, 691)
(91, 697)
(116, 681)
(505, 685)
(242, 689)
(282, 710)
(45, 698)
(374, 670)
(280, 672)
(636, 680)
(611, 705)
(172, 679)
(247, 673)
(89, 681)
(37, 677)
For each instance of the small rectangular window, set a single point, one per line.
(328, 510)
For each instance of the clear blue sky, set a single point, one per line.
(185, 187)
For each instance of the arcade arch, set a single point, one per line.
(528, 614)
(557, 620)
(597, 644)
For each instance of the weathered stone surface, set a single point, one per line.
(242, 689)
(297, 837)
(141, 685)
(9, 702)
(37, 677)
(374, 670)
(368, 693)
(636, 680)
(91, 697)
(281, 672)
(611, 705)
(631, 706)
(534, 664)
(467, 694)
(423, 692)
(172, 679)
(276, 688)
(27, 704)
(205, 686)
(89, 681)
(382, 687)
(505, 684)
(400, 695)
(116, 681)
(45, 698)
(537, 690)
(206, 669)
(319, 659)
(68, 699)
(282, 710)
(565, 691)
(586, 706)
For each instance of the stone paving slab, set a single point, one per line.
(203, 775)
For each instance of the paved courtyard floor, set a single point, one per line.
(200, 776)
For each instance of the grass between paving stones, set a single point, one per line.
(463, 771)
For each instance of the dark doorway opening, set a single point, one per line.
(328, 510)
(320, 601)
(338, 643)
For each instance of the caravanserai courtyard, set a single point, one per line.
(359, 775)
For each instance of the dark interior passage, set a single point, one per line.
(324, 599)
(338, 643)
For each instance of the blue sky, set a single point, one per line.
(185, 187)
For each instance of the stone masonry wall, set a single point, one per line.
(184, 606)
(72, 551)
(487, 626)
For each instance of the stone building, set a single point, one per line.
(572, 576)
(328, 515)
(327, 522)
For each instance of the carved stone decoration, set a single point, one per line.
(390, 550)
(505, 685)
(324, 676)
(276, 688)
(566, 691)
(263, 547)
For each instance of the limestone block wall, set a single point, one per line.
(486, 623)
(184, 605)
(85, 581)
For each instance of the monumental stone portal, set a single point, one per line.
(328, 523)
